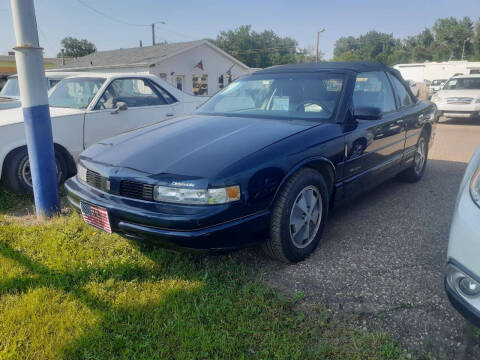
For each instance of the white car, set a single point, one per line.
(462, 278)
(459, 97)
(10, 93)
(84, 110)
(435, 86)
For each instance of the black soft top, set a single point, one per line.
(359, 66)
(347, 66)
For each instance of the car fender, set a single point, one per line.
(305, 163)
(13, 137)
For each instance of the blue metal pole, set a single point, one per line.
(36, 113)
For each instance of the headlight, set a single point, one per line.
(461, 282)
(436, 98)
(196, 196)
(475, 187)
(81, 173)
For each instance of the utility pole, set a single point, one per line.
(153, 30)
(36, 113)
(153, 34)
(463, 49)
(318, 39)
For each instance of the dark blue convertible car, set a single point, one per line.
(262, 162)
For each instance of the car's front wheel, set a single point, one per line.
(18, 175)
(298, 217)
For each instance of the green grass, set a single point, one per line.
(10, 201)
(68, 291)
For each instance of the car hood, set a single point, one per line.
(198, 146)
(459, 93)
(14, 116)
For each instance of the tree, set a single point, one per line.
(373, 46)
(77, 48)
(454, 34)
(425, 38)
(476, 41)
(445, 41)
(261, 49)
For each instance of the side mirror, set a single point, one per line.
(121, 106)
(367, 113)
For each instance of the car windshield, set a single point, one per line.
(75, 93)
(463, 84)
(310, 96)
(11, 89)
(438, 82)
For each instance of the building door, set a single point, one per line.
(179, 81)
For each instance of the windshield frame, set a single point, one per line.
(341, 75)
(92, 100)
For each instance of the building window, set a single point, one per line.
(179, 81)
(163, 76)
(200, 84)
(221, 82)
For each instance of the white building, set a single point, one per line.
(437, 70)
(196, 67)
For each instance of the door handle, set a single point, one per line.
(170, 114)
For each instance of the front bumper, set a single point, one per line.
(465, 111)
(464, 245)
(468, 311)
(197, 227)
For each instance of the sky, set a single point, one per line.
(193, 19)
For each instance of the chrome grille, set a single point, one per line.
(136, 190)
(94, 179)
(459, 100)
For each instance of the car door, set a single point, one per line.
(413, 113)
(126, 104)
(374, 148)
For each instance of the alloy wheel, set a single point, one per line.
(306, 216)
(26, 172)
(420, 155)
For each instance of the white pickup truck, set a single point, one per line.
(85, 109)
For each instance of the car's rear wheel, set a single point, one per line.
(18, 175)
(298, 217)
(415, 172)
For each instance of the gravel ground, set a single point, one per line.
(382, 255)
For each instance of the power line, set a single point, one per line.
(112, 18)
(259, 50)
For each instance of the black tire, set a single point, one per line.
(415, 172)
(15, 170)
(282, 245)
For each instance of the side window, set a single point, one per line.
(373, 89)
(169, 99)
(404, 98)
(133, 92)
